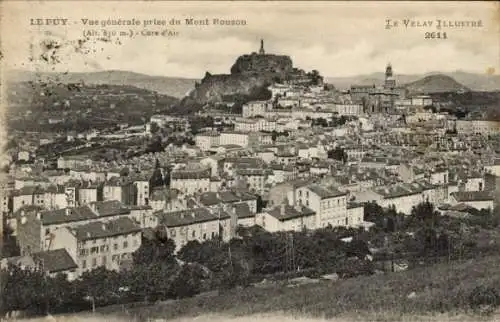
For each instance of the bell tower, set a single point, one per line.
(390, 82)
(261, 51)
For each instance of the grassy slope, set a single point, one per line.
(440, 288)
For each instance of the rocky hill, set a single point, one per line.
(436, 84)
(262, 64)
(250, 76)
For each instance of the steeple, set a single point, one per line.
(261, 51)
(388, 70)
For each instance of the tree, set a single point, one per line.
(338, 154)
(154, 128)
(425, 212)
(159, 249)
(274, 136)
(156, 179)
(188, 281)
(10, 245)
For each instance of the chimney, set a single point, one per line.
(282, 209)
(193, 215)
(67, 211)
(39, 215)
(88, 234)
(104, 227)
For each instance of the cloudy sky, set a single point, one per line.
(338, 39)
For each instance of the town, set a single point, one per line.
(310, 181)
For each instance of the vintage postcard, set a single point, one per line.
(249, 161)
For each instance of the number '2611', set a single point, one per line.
(436, 35)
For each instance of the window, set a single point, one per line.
(213, 234)
(94, 250)
(104, 260)
(102, 248)
(115, 246)
(84, 264)
(194, 233)
(94, 262)
(125, 244)
(307, 203)
(47, 231)
(204, 236)
(172, 232)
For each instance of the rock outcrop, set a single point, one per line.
(256, 63)
(250, 76)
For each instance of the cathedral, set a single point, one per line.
(379, 99)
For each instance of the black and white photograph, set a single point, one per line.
(242, 161)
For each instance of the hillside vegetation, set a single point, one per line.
(423, 291)
(173, 86)
(436, 84)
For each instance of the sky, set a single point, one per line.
(337, 38)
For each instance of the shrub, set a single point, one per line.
(484, 300)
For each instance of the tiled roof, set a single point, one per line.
(110, 208)
(59, 216)
(54, 261)
(325, 193)
(243, 211)
(189, 217)
(100, 229)
(191, 174)
(103, 209)
(462, 196)
(286, 212)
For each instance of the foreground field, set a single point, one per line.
(425, 292)
(434, 293)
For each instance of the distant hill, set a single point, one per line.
(475, 82)
(56, 106)
(436, 84)
(171, 86)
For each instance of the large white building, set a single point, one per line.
(99, 243)
(483, 127)
(200, 224)
(287, 218)
(191, 180)
(256, 108)
(330, 205)
(207, 140)
(239, 138)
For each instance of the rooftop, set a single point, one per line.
(189, 217)
(99, 229)
(325, 193)
(286, 212)
(53, 261)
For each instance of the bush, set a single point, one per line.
(484, 300)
